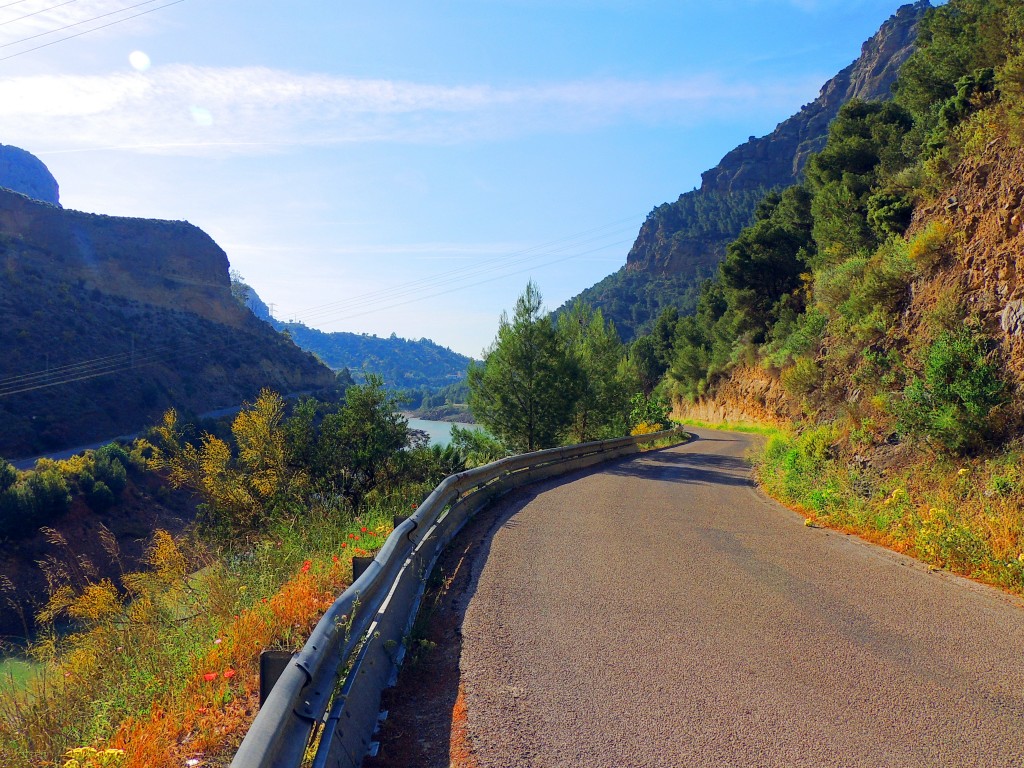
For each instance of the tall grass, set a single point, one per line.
(965, 515)
(167, 670)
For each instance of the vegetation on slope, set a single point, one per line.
(857, 288)
(159, 666)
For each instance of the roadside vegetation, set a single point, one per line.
(156, 664)
(910, 416)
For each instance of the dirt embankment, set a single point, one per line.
(749, 394)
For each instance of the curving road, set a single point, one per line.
(661, 612)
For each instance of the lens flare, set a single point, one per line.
(139, 60)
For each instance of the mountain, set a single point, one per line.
(23, 172)
(681, 243)
(109, 321)
(403, 363)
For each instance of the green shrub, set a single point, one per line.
(950, 404)
(927, 247)
(802, 378)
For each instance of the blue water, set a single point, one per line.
(440, 431)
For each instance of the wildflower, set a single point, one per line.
(962, 471)
(356, 538)
(242, 589)
(191, 762)
(218, 641)
(363, 529)
(414, 506)
(335, 557)
(306, 566)
(229, 673)
(343, 545)
(210, 677)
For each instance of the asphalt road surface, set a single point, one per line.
(660, 611)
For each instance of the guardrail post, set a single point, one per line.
(359, 566)
(272, 665)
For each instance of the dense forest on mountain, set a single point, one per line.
(416, 367)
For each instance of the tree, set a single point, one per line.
(526, 389)
(602, 406)
(357, 443)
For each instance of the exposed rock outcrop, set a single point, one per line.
(778, 158)
(980, 267)
(749, 394)
(681, 243)
(23, 172)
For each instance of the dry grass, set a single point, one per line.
(167, 671)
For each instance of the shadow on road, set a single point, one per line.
(427, 724)
(685, 468)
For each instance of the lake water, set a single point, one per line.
(440, 431)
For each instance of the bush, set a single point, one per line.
(802, 378)
(927, 246)
(36, 498)
(950, 405)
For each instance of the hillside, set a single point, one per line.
(405, 364)
(875, 313)
(681, 243)
(110, 321)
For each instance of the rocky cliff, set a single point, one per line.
(777, 159)
(26, 174)
(681, 243)
(109, 321)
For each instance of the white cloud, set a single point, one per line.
(182, 109)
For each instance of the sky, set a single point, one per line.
(406, 167)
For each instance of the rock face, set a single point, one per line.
(778, 158)
(25, 173)
(979, 265)
(681, 243)
(110, 321)
(749, 395)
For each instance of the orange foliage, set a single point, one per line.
(211, 715)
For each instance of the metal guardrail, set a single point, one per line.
(332, 688)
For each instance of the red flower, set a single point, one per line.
(356, 538)
(414, 506)
(210, 677)
(306, 566)
(363, 530)
(229, 673)
(343, 545)
(335, 557)
(351, 535)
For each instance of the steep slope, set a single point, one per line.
(109, 321)
(681, 243)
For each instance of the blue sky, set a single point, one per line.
(407, 166)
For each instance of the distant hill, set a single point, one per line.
(109, 321)
(23, 172)
(403, 363)
(681, 243)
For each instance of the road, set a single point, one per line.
(662, 612)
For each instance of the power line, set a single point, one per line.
(16, 2)
(87, 21)
(536, 256)
(424, 297)
(36, 13)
